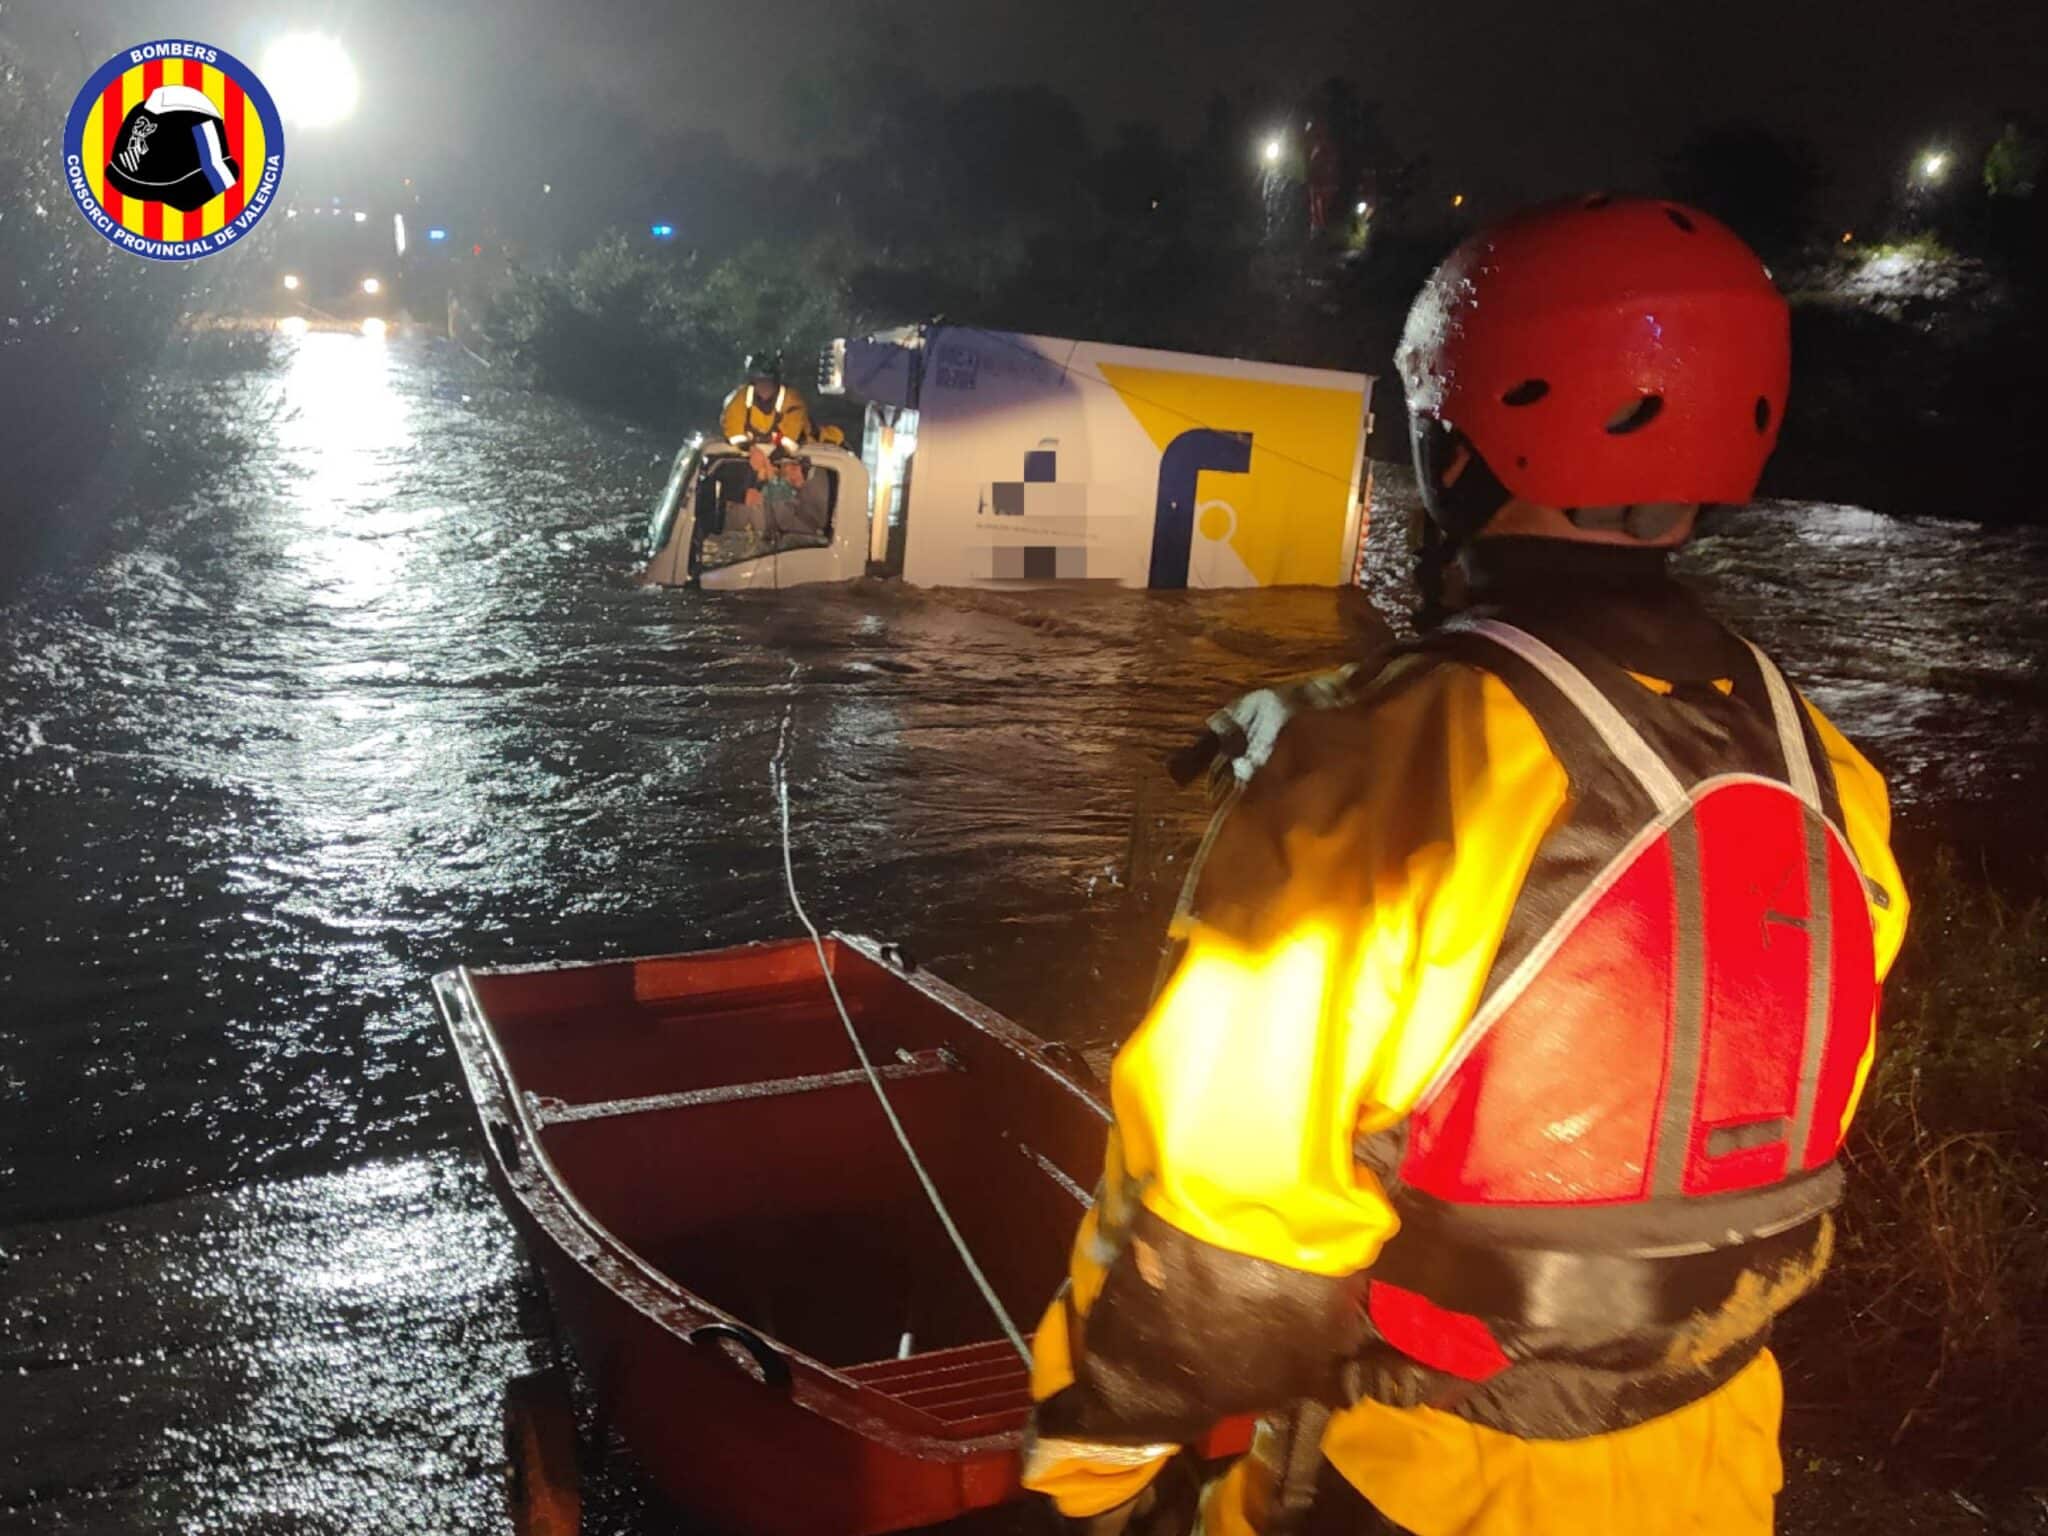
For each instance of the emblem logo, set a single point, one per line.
(173, 150)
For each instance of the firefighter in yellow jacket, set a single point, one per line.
(1492, 1113)
(764, 411)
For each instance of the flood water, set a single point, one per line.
(386, 698)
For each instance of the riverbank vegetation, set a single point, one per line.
(1928, 1342)
(1920, 331)
(102, 379)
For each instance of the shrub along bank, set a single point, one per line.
(1927, 1345)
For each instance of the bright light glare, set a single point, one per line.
(311, 78)
(292, 325)
(372, 286)
(398, 231)
(291, 282)
(362, 217)
(1457, 199)
(1273, 147)
(437, 235)
(1934, 165)
(1359, 210)
(374, 328)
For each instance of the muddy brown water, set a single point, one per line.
(385, 698)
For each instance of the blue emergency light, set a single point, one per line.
(662, 231)
(437, 234)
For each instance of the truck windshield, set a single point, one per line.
(666, 504)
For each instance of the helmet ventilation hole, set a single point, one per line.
(1677, 216)
(1763, 413)
(1635, 416)
(1598, 200)
(1528, 392)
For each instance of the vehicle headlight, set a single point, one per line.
(291, 282)
(371, 285)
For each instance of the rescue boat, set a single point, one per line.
(759, 1293)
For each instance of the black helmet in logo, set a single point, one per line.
(173, 149)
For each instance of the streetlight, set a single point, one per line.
(312, 79)
(1273, 149)
(1933, 166)
(1457, 199)
(372, 287)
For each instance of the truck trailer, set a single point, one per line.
(995, 459)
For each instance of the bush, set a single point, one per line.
(646, 332)
(81, 324)
(611, 329)
(1927, 1345)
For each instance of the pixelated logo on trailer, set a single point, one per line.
(173, 150)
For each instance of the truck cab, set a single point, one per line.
(689, 542)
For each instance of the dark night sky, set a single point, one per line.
(1508, 97)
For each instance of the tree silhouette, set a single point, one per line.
(1756, 180)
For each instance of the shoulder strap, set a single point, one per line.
(1791, 739)
(1622, 739)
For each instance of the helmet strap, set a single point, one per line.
(1435, 556)
(1457, 509)
(1463, 502)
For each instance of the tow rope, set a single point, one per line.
(778, 771)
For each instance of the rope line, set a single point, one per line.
(779, 773)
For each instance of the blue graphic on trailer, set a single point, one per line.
(1173, 517)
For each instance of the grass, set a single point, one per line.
(1927, 1345)
(1915, 249)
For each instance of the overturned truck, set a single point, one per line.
(992, 459)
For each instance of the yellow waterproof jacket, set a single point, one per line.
(782, 422)
(1348, 919)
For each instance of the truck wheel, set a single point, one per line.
(541, 1484)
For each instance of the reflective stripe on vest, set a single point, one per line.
(1646, 1106)
(754, 410)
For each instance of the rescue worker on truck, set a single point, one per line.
(765, 411)
(1491, 1115)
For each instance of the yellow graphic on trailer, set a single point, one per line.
(1281, 520)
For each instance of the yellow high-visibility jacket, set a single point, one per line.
(783, 422)
(1348, 919)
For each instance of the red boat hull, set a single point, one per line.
(770, 1314)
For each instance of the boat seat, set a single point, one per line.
(547, 1110)
(980, 1388)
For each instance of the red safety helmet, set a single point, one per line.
(1604, 352)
